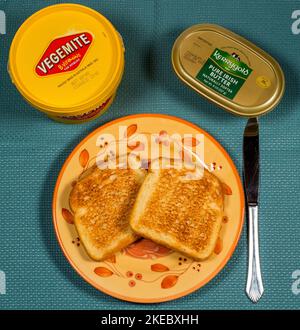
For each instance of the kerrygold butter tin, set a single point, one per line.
(67, 61)
(228, 70)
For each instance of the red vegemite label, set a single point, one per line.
(64, 54)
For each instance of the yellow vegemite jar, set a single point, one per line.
(67, 61)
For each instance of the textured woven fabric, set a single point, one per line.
(33, 149)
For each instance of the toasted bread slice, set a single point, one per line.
(179, 210)
(101, 203)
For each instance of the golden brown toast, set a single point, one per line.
(101, 202)
(178, 212)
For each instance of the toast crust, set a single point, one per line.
(184, 215)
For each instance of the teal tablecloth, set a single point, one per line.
(33, 149)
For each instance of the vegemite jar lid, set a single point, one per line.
(65, 58)
(228, 70)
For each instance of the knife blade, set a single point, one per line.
(251, 161)
(254, 286)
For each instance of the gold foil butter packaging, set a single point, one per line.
(228, 70)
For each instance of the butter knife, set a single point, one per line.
(254, 286)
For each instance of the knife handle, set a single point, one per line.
(254, 287)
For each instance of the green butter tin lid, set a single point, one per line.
(228, 70)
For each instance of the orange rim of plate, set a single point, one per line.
(190, 290)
